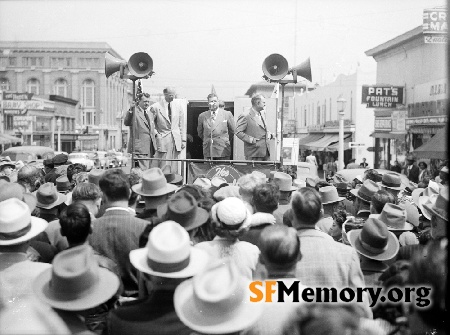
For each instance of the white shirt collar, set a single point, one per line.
(117, 208)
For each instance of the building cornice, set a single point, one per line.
(408, 36)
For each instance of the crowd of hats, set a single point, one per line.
(214, 297)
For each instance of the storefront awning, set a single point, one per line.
(436, 147)
(323, 143)
(308, 139)
(391, 135)
(335, 146)
(9, 139)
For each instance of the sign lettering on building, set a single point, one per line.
(17, 96)
(383, 123)
(435, 26)
(24, 122)
(399, 120)
(227, 172)
(335, 123)
(23, 104)
(382, 96)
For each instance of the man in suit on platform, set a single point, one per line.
(251, 127)
(144, 139)
(215, 127)
(170, 129)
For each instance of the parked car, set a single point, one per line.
(28, 153)
(122, 158)
(347, 175)
(111, 160)
(81, 158)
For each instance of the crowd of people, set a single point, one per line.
(105, 252)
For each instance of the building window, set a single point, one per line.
(324, 112)
(60, 62)
(88, 117)
(12, 61)
(33, 86)
(4, 84)
(318, 113)
(33, 61)
(8, 119)
(88, 62)
(3, 61)
(60, 87)
(88, 96)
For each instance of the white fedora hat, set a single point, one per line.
(216, 301)
(16, 223)
(169, 253)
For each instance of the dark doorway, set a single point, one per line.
(194, 148)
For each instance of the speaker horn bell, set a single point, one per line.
(275, 67)
(302, 70)
(113, 64)
(140, 64)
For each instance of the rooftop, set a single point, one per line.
(409, 35)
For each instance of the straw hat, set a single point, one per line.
(284, 182)
(440, 205)
(5, 163)
(298, 183)
(14, 190)
(169, 253)
(204, 183)
(231, 213)
(75, 282)
(153, 184)
(183, 209)
(329, 195)
(394, 216)
(48, 197)
(16, 223)
(366, 191)
(374, 241)
(391, 180)
(216, 301)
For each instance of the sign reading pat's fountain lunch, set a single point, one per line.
(378, 96)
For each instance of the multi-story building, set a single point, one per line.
(73, 70)
(317, 119)
(420, 69)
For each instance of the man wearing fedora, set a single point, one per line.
(331, 202)
(411, 170)
(76, 287)
(284, 182)
(49, 201)
(155, 190)
(87, 194)
(117, 232)
(167, 260)
(222, 310)
(59, 161)
(439, 214)
(324, 261)
(6, 168)
(375, 245)
(17, 228)
(361, 205)
(392, 183)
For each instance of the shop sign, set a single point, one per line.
(356, 145)
(23, 104)
(24, 122)
(382, 96)
(435, 25)
(427, 120)
(227, 172)
(383, 124)
(315, 127)
(424, 130)
(17, 96)
(398, 120)
(432, 90)
(335, 123)
(14, 111)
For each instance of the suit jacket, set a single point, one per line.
(153, 315)
(413, 174)
(251, 130)
(165, 128)
(114, 235)
(217, 132)
(145, 135)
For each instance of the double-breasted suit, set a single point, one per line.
(169, 133)
(252, 129)
(143, 134)
(216, 133)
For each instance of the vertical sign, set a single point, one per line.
(435, 26)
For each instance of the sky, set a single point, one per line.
(195, 44)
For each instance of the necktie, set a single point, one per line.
(213, 116)
(146, 117)
(262, 120)
(170, 112)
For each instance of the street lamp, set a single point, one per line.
(58, 124)
(341, 102)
